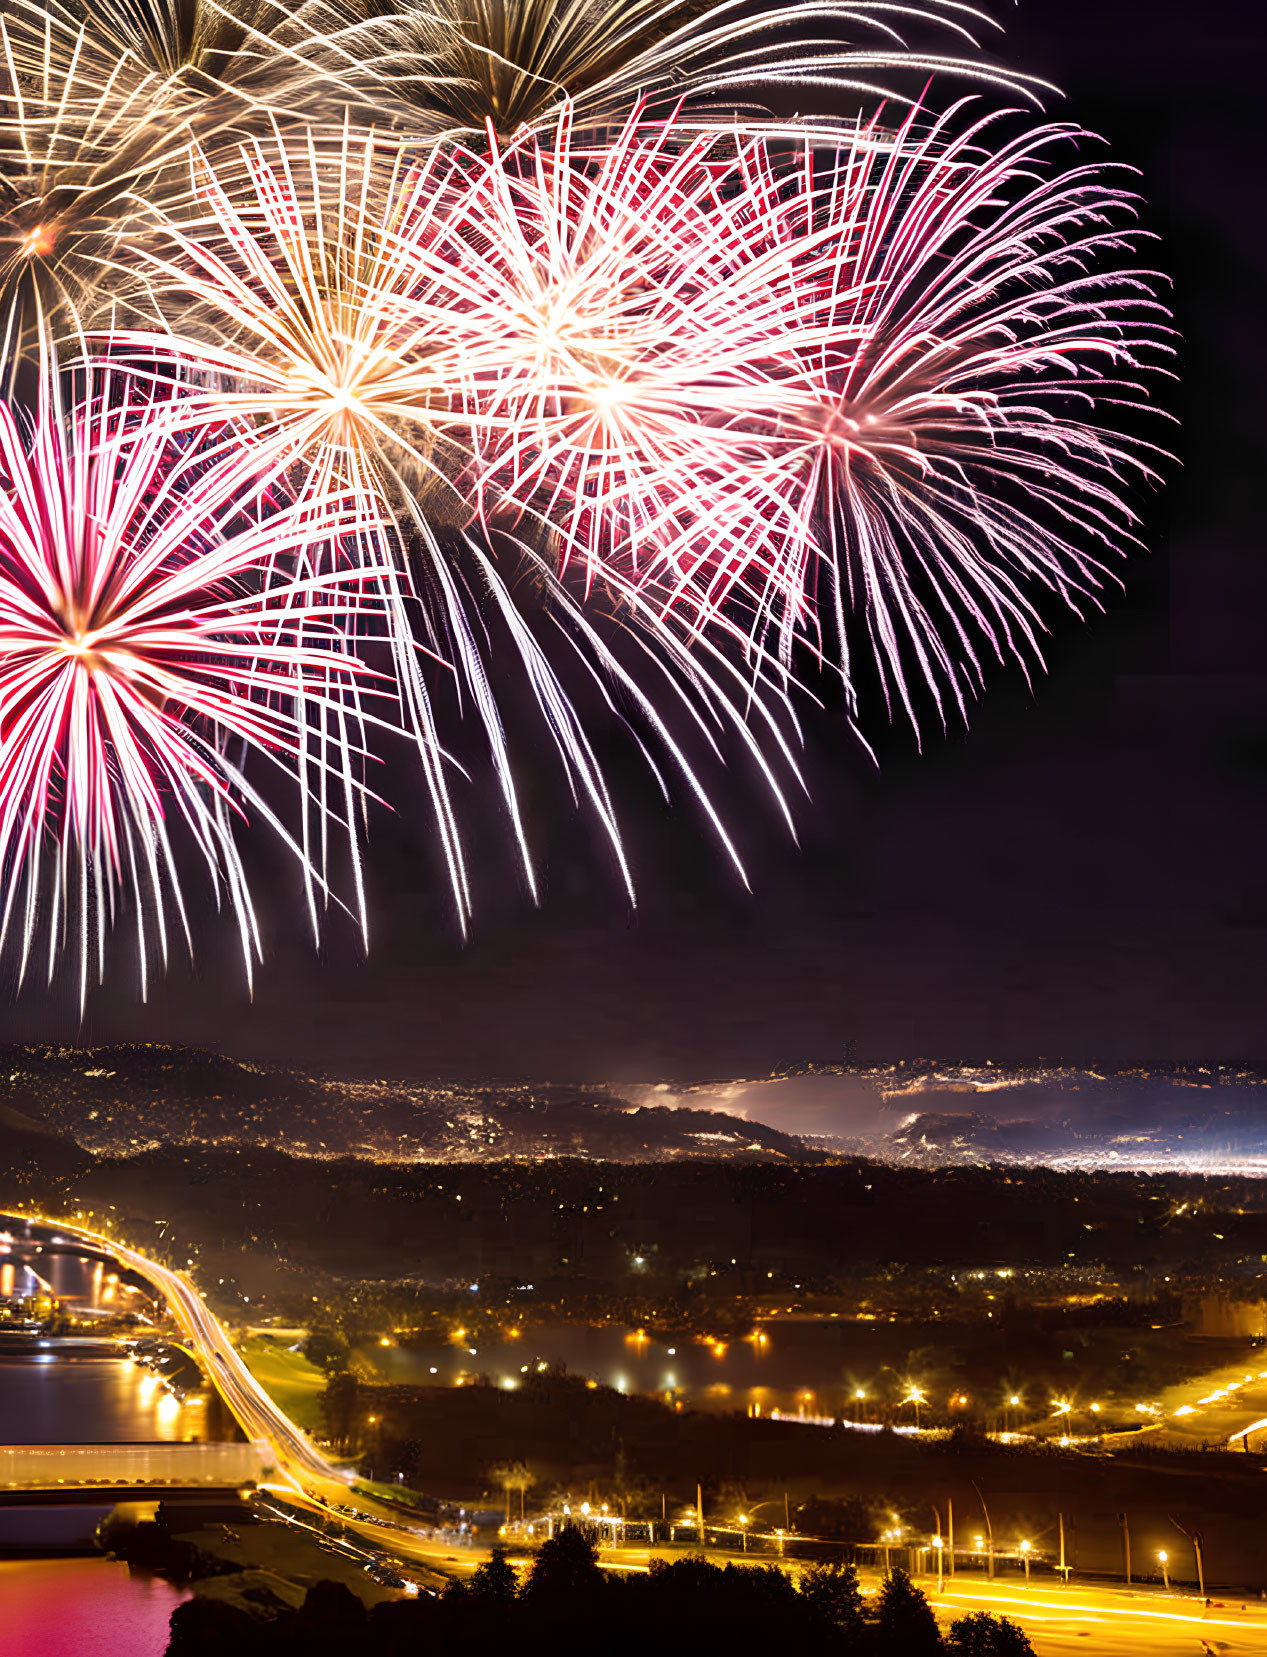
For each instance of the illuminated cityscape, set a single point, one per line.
(1036, 1393)
(633, 782)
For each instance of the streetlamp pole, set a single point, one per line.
(937, 1545)
(989, 1531)
(1162, 1558)
(1194, 1536)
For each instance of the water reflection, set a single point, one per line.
(799, 1368)
(50, 1398)
(80, 1282)
(69, 1396)
(83, 1608)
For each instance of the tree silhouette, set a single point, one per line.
(565, 1576)
(331, 1621)
(494, 1582)
(832, 1593)
(339, 1405)
(209, 1627)
(905, 1624)
(693, 1606)
(981, 1635)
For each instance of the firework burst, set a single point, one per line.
(324, 321)
(655, 404)
(100, 107)
(960, 438)
(153, 634)
(76, 141)
(615, 316)
(882, 395)
(446, 67)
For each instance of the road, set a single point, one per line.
(1082, 1618)
(254, 1410)
(1100, 1622)
(304, 1474)
(1095, 1621)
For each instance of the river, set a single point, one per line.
(52, 1398)
(83, 1608)
(802, 1366)
(60, 1396)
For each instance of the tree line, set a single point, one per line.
(566, 1602)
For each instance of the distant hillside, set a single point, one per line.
(36, 1165)
(122, 1100)
(119, 1101)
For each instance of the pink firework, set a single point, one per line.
(882, 384)
(152, 634)
(967, 437)
(338, 318)
(611, 317)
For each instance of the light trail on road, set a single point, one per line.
(311, 1475)
(1054, 1617)
(1098, 1604)
(256, 1413)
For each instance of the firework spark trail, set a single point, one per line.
(448, 68)
(149, 631)
(757, 392)
(960, 457)
(100, 107)
(320, 319)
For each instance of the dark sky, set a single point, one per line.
(1081, 875)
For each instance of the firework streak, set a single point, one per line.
(420, 383)
(155, 627)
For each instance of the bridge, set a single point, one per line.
(102, 1468)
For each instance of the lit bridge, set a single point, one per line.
(79, 1469)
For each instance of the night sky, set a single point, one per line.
(1082, 875)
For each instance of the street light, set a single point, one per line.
(1025, 1557)
(1163, 1557)
(1194, 1536)
(916, 1397)
(743, 1530)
